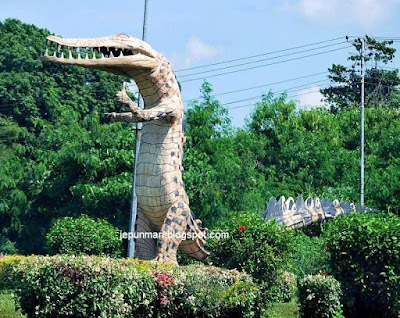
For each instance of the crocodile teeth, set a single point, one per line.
(54, 55)
(111, 54)
(121, 54)
(46, 53)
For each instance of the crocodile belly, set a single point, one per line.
(158, 183)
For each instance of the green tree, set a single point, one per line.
(220, 162)
(381, 85)
(59, 158)
(316, 152)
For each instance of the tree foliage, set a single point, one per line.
(58, 159)
(316, 152)
(220, 162)
(381, 85)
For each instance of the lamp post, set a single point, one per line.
(138, 135)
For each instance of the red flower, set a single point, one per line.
(326, 247)
(241, 228)
(325, 273)
(163, 279)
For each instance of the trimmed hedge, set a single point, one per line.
(319, 297)
(7, 264)
(89, 286)
(257, 246)
(365, 258)
(83, 235)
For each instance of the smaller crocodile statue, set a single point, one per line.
(299, 213)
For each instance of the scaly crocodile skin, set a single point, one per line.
(162, 201)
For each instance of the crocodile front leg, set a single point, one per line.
(161, 111)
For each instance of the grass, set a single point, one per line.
(283, 310)
(7, 308)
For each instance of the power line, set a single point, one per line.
(277, 92)
(287, 97)
(264, 65)
(258, 55)
(260, 86)
(375, 37)
(262, 60)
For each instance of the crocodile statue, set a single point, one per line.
(163, 205)
(299, 213)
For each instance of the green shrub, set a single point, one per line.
(284, 288)
(315, 229)
(310, 256)
(7, 264)
(319, 297)
(365, 258)
(91, 286)
(215, 292)
(83, 235)
(257, 246)
(6, 246)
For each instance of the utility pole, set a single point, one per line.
(138, 135)
(362, 121)
(362, 107)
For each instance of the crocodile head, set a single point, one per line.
(119, 54)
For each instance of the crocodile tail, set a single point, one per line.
(194, 247)
(299, 213)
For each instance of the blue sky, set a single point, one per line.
(193, 33)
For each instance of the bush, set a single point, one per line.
(315, 229)
(83, 235)
(257, 246)
(310, 256)
(6, 246)
(7, 264)
(365, 258)
(91, 286)
(319, 297)
(284, 288)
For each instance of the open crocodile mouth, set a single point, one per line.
(60, 50)
(63, 51)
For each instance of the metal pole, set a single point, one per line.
(133, 212)
(362, 122)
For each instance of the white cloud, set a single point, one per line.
(197, 50)
(311, 98)
(366, 13)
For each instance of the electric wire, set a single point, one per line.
(258, 55)
(262, 60)
(264, 65)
